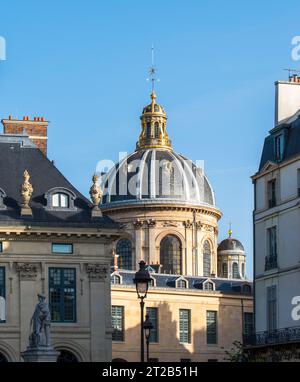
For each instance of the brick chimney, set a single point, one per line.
(287, 99)
(36, 129)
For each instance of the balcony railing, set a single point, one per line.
(275, 337)
(271, 263)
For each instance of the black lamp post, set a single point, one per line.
(147, 328)
(141, 280)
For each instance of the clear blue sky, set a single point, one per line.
(83, 65)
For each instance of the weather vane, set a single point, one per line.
(152, 71)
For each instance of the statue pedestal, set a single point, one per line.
(40, 354)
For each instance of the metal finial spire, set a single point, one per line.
(152, 70)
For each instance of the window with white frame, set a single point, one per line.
(60, 200)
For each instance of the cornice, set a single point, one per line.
(205, 210)
(36, 234)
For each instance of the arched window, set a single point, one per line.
(66, 357)
(235, 271)
(170, 255)
(115, 280)
(156, 130)
(208, 286)
(206, 259)
(225, 270)
(181, 284)
(243, 270)
(148, 131)
(60, 200)
(124, 250)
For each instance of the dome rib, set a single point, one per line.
(185, 183)
(147, 182)
(141, 173)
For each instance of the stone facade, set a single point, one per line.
(27, 256)
(146, 227)
(230, 310)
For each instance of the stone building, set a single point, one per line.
(276, 235)
(199, 300)
(52, 241)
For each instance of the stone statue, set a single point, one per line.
(40, 324)
(26, 189)
(96, 192)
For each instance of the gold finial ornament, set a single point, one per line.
(230, 230)
(96, 196)
(26, 193)
(154, 127)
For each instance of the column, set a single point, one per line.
(29, 288)
(100, 314)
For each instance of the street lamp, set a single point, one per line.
(147, 328)
(141, 280)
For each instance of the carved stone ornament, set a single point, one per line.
(96, 192)
(151, 223)
(96, 272)
(138, 224)
(188, 224)
(207, 228)
(27, 271)
(26, 193)
(169, 224)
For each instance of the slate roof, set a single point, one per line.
(291, 131)
(139, 179)
(225, 286)
(230, 244)
(18, 154)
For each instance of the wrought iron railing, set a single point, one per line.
(270, 263)
(275, 337)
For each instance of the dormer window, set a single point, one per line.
(209, 285)
(60, 199)
(2, 196)
(115, 279)
(181, 283)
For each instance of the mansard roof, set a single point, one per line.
(17, 154)
(290, 129)
(224, 286)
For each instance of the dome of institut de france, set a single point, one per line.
(154, 172)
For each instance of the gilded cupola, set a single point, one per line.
(154, 127)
